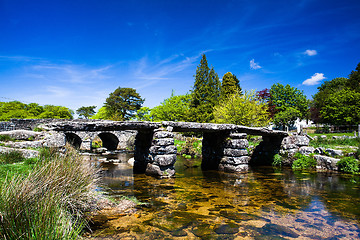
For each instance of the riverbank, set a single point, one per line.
(48, 197)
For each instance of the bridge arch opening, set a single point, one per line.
(73, 139)
(109, 140)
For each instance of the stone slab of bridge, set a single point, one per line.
(224, 145)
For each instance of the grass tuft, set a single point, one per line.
(50, 202)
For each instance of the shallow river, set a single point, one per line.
(263, 204)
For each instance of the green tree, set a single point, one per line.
(123, 103)
(286, 98)
(287, 117)
(342, 108)
(242, 109)
(101, 114)
(229, 85)
(354, 79)
(16, 109)
(86, 112)
(205, 93)
(143, 114)
(175, 108)
(58, 112)
(327, 89)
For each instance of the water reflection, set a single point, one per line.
(263, 204)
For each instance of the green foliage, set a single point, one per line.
(329, 142)
(15, 109)
(86, 112)
(143, 114)
(337, 101)
(123, 103)
(11, 157)
(349, 164)
(205, 93)
(50, 202)
(342, 108)
(277, 160)
(286, 117)
(303, 162)
(284, 97)
(101, 114)
(175, 108)
(229, 85)
(242, 109)
(6, 138)
(189, 148)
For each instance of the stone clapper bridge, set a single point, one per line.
(224, 146)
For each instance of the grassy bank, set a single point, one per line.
(47, 198)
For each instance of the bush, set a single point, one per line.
(277, 160)
(6, 138)
(303, 162)
(348, 164)
(11, 157)
(50, 202)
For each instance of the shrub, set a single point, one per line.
(50, 202)
(277, 160)
(11, 157)
(192, 147)
(348, 164)
(303, 162)
(6, 138)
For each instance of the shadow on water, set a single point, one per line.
(265, 203)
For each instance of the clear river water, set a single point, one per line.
(265, 203)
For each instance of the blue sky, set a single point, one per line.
(75, 52)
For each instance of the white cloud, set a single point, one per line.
(310, 52)
(314, 80)
(254, 65)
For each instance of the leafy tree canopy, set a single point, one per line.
(175, 108)
(86, 112)
(101, 114)
(242, 109)
(286, 98)
(123, 103)
(16, 109)
(287, 117)
(335, 102)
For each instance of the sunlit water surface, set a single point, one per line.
(265, 203)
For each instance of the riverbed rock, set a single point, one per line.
(306, 150)
(26, 152)
(326, 163)
(54, 139)
(21, 134)
(165, 160)
(25, 144)
(334, 152)
(319, 150)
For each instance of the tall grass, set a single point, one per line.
(50, 202)
(11, 157)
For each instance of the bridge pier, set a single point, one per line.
(155, 153)
(235, 155)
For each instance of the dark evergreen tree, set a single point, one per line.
(123, 103)
(205, 93)
(229, 85)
